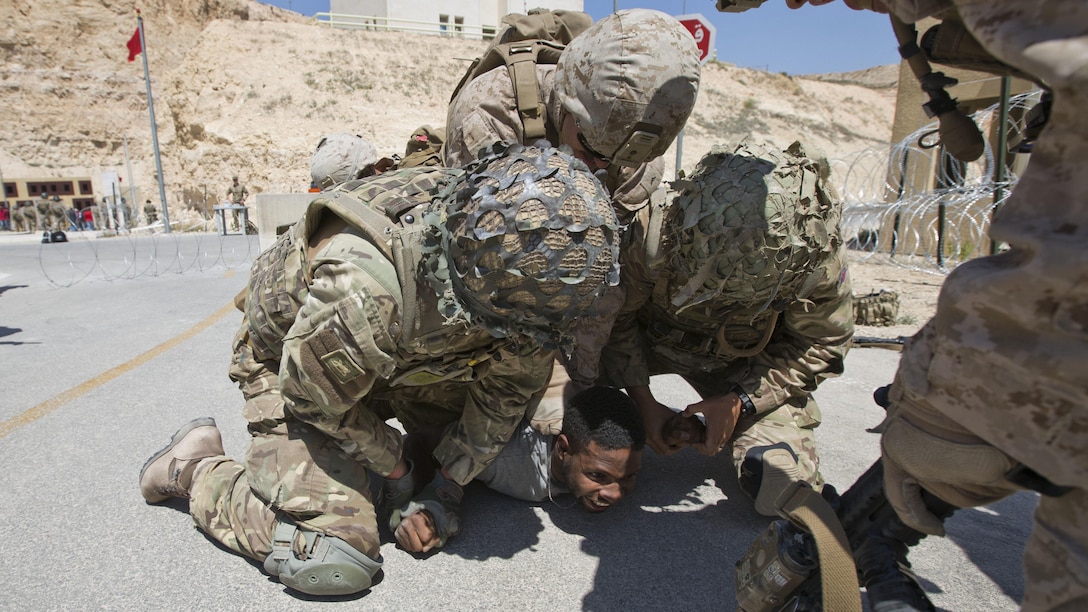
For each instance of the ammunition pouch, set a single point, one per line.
(878, 308)
(950, 44)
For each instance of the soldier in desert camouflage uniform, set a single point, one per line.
(739, 285)
(991, 396)
(42, 206)
(446, 316)
(621, 91)
(236, 195)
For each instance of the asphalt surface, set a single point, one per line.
(107, 346)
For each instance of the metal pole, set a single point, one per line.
(1002, 152)
(154, 129)
(131, 183)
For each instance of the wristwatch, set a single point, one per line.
(747, 408)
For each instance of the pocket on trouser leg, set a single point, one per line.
(224, 507)
(308, 477)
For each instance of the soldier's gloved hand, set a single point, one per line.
(416, 533)
(922, 448)
(722, 414)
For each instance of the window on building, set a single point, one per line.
(11, 190)
(458, 25)
(444, 24)
(488, 32)
(85, 188)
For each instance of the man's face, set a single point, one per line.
(571, 135)
(598, 477)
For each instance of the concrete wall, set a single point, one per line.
(275, 212)
(451, 17)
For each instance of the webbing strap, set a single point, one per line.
(521, 61)
(838, 575)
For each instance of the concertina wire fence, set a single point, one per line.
(921, 228)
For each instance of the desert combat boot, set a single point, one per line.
(169, 472)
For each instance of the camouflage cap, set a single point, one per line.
(750, 225)
(339, 157)
(630, 81)
(531, 242)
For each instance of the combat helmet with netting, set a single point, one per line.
(528, 242)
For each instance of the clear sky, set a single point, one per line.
(812, 39)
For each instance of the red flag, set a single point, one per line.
(134, 47)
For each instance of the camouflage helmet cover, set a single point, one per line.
(530, 242)
(630, 81)
(339, 157)
(749, 226)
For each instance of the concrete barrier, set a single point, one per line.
(278, 211)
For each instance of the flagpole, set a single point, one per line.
(154, 129)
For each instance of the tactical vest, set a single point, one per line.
(523, 42)
(378, 206)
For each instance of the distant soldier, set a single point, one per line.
(24, 217)
(236, 195)
(58, 214)
(42, 206)
(151, 212)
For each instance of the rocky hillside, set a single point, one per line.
(244, 88)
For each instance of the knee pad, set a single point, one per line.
(765, 472)
(325, 566)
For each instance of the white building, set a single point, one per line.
(467, 18)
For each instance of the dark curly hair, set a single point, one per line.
(606, 416)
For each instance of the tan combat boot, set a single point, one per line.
(169, 472)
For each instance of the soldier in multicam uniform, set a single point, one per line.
(740, 286)
(991, 396)
(447, 316)
(621, 91)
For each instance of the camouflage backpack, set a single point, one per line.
(424, 148)
(878, 308)
(523, 42)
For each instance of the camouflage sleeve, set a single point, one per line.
(810, 343)
(338, 346)
(494, 408)
(623, 360)
(483, 113)
(259, 381)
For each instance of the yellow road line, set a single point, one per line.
(59, 400)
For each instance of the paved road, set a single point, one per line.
(97, 375)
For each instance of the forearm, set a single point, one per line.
(494, 408)
(809, 345)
